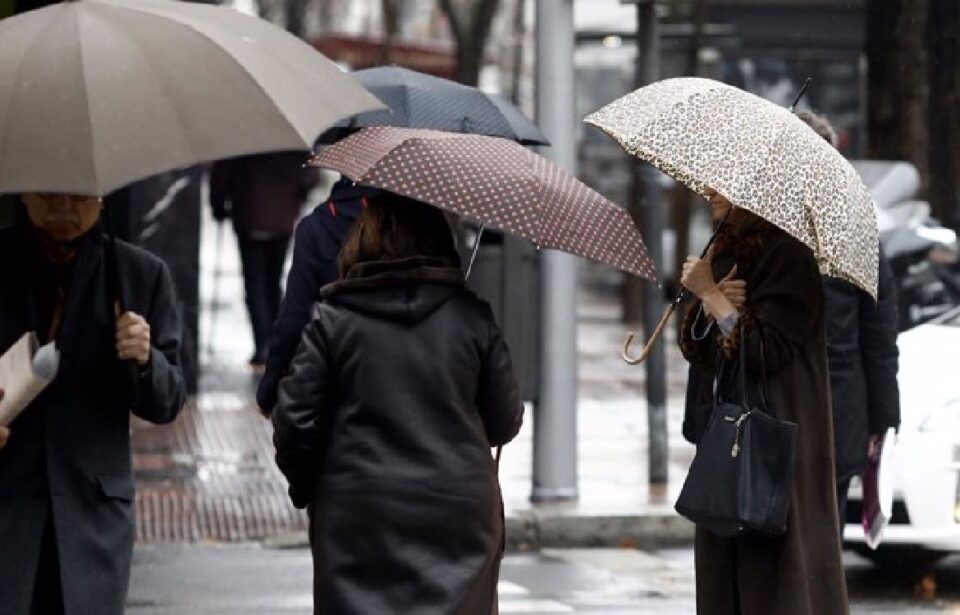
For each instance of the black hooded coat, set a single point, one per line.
(400, 387)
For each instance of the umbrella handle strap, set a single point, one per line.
(648, 347)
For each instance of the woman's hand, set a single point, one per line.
(697, 277)
(734, 290)
(873, 446)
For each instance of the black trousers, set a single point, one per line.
(843, 488)
(47, 588)
(262, 262)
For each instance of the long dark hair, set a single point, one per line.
(393, 227)
(746, 241)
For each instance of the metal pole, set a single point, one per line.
(651, 217)
(555, 414)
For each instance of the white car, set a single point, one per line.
(926, 512)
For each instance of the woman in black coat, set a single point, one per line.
(384, 424)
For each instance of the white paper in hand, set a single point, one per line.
(26, 369)
(878, 491)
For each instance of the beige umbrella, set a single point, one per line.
(758, 155)
(95, 94)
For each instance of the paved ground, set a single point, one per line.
(216, 580)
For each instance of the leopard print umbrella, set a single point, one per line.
(495, 182)
(758, 155)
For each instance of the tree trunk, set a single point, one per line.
(519, 30)
(944, 109)
(325, 12)
(897, 83)
(391, 27)
(470, 28)
(295, 17)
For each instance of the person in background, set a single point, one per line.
(263, 194)
(317, 243)
(384, 426)
(864, 360)
(66, 479)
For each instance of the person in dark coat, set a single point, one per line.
(263, 194)
(782, 324)
(864, 360)
(316, 245)
(66, 482)
(385, 423)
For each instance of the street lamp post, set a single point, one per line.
(555, 418)
(648, 211)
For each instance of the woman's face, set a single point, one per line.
(719, 205)
(62, 217)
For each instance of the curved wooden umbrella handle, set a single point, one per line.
(625, 353)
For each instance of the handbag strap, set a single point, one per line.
(722, 380)
(762, 378)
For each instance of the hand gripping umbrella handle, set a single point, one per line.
(625, 353)
(667, 313)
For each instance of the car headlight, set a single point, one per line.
(946, 418)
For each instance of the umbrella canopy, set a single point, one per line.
(100, 93)
(418, 100)
(761, 157)
(496, 182)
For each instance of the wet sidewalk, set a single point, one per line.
(210, 475)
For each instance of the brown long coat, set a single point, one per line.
(800, 572)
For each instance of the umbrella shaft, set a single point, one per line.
(476, 249)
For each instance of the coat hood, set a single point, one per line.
(405, 291)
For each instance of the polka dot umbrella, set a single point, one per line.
(495, 182)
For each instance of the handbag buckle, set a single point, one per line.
(738, 424)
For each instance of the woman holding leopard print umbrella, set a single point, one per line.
(778, 315)
(797, 210)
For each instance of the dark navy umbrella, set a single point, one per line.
(418, 100)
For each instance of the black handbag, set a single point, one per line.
(742, 474)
